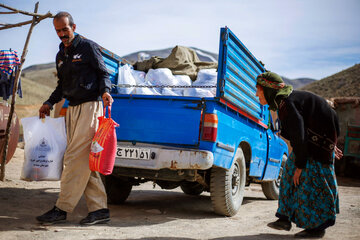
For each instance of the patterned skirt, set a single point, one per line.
(314, 203)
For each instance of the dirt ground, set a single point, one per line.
(156, 214)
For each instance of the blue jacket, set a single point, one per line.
(82, 73)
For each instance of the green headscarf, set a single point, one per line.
(274, 87)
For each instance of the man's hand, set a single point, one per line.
(296, 177)
(44, 111)
(338, 153)
(107, 99)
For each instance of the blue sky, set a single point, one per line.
(295, 38)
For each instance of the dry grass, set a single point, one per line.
(343, 84)
(44, 77)
(33, 92)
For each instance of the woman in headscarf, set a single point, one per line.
(308, 190)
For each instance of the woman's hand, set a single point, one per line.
(338, 153)
(296, 177)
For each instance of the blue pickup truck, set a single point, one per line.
(219, 144)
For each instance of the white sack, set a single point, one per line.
(145, 91)
(169, 92)
(207, 77)
(45, 144)
(125, 77)
(159, 77)
(139, 76)
(198, 92)
(183, 80)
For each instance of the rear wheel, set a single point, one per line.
(227, 186)
(192, 188)
(271, 189)
(117, 189)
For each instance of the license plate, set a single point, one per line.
(133, 153)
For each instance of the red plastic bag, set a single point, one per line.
(103, 146)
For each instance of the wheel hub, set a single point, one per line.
(235, 180)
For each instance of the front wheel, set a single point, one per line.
(227, 186)
(271, 189)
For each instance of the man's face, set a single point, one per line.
(64, 30)
(260, 95)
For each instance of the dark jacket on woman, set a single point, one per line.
(311, 126)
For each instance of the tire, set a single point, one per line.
(271, 189)
(227, 186)
(192, 188)
(117, 189)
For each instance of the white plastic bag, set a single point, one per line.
(169, 92)
(198, 92)
(45, 144)
(160, 77)
(207, 77)
(183, 80)
(145, 90)
(139, 76)
(126, 78)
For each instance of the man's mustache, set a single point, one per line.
(64, 37)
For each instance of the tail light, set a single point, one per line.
(210, 127)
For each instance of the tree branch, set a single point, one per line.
(26, 13)
(38, 19)
(6, 26)
(9, 12)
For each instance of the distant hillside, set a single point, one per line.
(33, 93)
(298, 82)
(39, 67)
(343, 84)
(42, 74)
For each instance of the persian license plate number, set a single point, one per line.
(133, 153)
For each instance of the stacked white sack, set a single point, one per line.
(207, 77)
(164, 77)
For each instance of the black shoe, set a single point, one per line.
(96, 217)
(310, 233)
(55, 215)
(280, 225)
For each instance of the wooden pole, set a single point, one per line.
(18, 73)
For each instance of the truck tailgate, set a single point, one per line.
(157, 119)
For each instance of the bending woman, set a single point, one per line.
(308, 190)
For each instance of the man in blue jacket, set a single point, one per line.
(84, 82)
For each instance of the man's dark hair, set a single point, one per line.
(65, 14)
